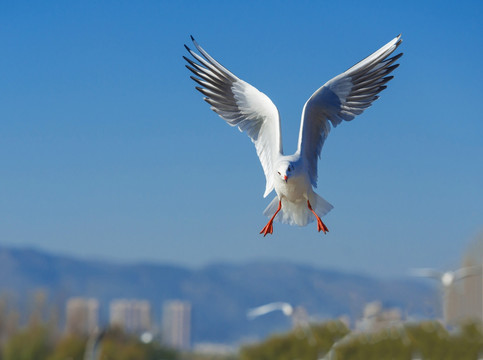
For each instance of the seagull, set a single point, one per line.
(285, 307)
(447, 278)
(293, 177)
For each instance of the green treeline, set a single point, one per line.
(36, 342)
(427, 340)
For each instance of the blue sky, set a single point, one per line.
(107, 151)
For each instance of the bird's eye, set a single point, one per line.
(279, 173)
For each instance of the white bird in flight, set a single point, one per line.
(447, 278)
(293, 177)
(284, 307)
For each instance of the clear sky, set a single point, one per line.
(107, 150)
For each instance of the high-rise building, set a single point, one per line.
(464, 299)
(133, 316)
(300, 317)
(375, 318)
(82, 316)
(176, 324)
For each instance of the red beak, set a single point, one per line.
(285, 178)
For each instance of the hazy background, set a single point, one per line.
(107, 151)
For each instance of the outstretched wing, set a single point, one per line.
(427, 273)
(241, 105)
(342, 98)
(467, 271)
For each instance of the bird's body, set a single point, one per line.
(293, 177)
(299, 186)
(294, 193)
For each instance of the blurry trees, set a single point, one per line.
(303, 343)
(9, 319)
(198, 356)
(427, 340)
(30, 343)
(69, 347)
(35, 343)
(116, 345)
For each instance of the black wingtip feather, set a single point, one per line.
(196, 79)
(190, 61)
(387, 78)
(201, 90)
(184, 57)
(396, 57)
(192, 70)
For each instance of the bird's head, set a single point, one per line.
(284, 170)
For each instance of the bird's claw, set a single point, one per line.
(267, 229)
(321, 226)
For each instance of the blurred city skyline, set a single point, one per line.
(108, 151)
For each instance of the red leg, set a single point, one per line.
(320, 224)
(269, 227)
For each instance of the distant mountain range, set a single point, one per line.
(220, 294)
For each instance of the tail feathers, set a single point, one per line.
(298, 213)
(321, 205)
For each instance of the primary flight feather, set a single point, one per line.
(293, 177)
